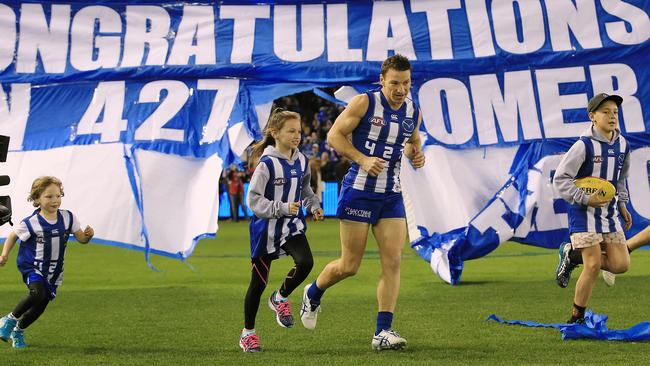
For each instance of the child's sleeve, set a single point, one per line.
(566, 172)
(21, 230)
(309, 198)
(255, 200)
(76, 224)
(621, 187)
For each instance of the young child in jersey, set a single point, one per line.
(43, 236)
(597, 239)
(279, 184)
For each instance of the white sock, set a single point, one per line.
(278, 297)
(11, 316)
(246, 332)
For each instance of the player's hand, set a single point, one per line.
(627, 218)
(417, 160)
(597, 200)
(3, 259)
(373, 165)
(294, 207)
(319, 215)
(89, 232)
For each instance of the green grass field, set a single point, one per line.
(113, 310)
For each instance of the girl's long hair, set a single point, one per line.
(276, 121)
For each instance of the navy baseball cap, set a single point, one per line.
(598, 99)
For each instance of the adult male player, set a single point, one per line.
(383, 125)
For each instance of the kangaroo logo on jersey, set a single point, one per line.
(394, 116)
(279, 181)
(377, 121)
(598, 159)
(408, 125)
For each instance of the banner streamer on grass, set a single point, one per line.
(186, 86)
(595, 327)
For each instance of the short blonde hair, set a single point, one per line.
(39, 185)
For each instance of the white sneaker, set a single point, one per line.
(388, 339)
(307, 315)
(609, 278)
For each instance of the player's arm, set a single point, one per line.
(413, 147)
(345, 123)
(6, 248)
(623, 196)
(84, 236)
(260, 205)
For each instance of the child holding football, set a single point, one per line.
(597, 238)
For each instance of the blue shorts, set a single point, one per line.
(33, 276)
(370, 207)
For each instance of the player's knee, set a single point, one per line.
(620, 266)
(591, 268)
(38, 293)
(257, 287)
(348, 269)
(305, 264)
(391, 265)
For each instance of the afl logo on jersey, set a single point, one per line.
(408, 125)
(598, 159)
(279, 181)
(377, 121)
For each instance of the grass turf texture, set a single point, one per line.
(113, 310)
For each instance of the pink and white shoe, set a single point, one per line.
(282, 311)
(250, 343)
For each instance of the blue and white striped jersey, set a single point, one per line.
(276, 182)
(382, 133)
(592, 155)
(43, 244)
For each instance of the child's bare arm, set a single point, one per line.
(84, 236)
(6, 248)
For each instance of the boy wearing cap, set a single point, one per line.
(597, 238)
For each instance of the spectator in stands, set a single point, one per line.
(236, 193)
(341, 169)
(329, 159)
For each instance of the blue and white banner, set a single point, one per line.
(137, 105)
(594, 327)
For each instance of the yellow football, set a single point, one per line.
(591, 185)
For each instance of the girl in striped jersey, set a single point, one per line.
(279, 184)
(43, 237)
(597, 238)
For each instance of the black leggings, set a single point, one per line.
(298, 248)
(32, 306)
